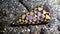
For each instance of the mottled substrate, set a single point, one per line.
(9, 11)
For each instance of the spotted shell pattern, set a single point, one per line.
(37, 15)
